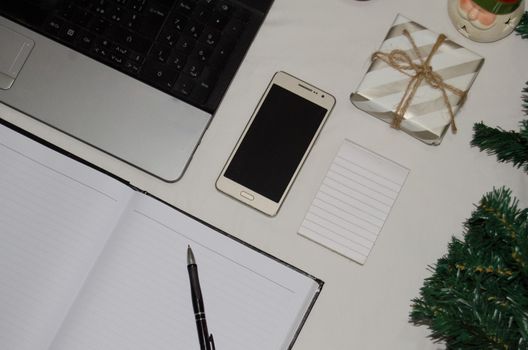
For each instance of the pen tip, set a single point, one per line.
(190, 256)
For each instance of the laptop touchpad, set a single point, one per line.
(15, 51)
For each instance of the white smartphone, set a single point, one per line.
(275, 143)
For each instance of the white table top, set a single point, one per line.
(329, 43)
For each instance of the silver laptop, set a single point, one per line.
(138, 79)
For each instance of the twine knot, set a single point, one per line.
(418, 72)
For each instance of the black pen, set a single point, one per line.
(206, 339)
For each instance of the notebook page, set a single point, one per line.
(138, 296)
(353, 202)
(55, 216)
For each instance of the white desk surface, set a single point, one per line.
(328, 43)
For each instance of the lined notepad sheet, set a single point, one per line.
(355, 198)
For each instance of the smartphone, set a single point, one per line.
(275, 143)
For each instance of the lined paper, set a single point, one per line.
(353, 202)
(54, 221)
(138, 295)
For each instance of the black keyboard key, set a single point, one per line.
(185, 6)
(184, 85)
(193, 29)
(159, 74)
(107, 44)
(132, 67)
(117, 60)
(69, 33)
(209, 76)
(156, 9)
(177, 60)
(224, 9)
(217, 20)
(101, 52)
(202, 12)
(85, 40)
(168, 38)
(121, 50)
(201, 53)
(129, 39)
(99, 25)
(201, 92)
(221, 15)
(177, 22)
(210, 36)
(54, 26)
(102, 48)
(81, 17)
(131, 21)
(185, 44)
(194, 68)
(116, 13)
(67, 12)
(137, 5)
(205, 86)
(160, 53)
(101, 7)
(234, 28)
(221, 53)
(136, 57)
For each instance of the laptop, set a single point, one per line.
(138, 79)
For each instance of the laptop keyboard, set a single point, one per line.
(189, 49)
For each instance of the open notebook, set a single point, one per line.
(87, 262)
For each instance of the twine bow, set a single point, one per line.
(401, 61)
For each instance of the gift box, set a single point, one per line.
(417, 81)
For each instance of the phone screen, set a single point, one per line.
(275, 143)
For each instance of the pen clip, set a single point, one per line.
(211, 341)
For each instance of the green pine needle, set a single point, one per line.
(508, 146)
(522, 27)
(525, 99)
(477, 296)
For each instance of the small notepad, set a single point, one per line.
(354, 200)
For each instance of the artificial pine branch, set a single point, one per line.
(508, 146)
(522, 27)
(477, 297)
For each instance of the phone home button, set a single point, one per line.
(247, 195)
